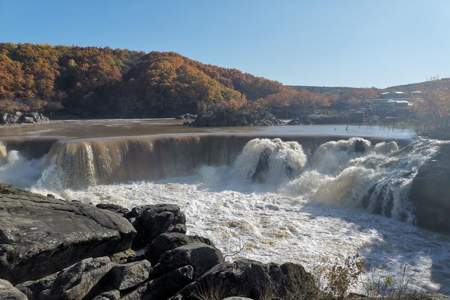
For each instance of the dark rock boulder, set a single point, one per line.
(58, 234)
(296, 121)
(114, 208)
(76, 281)
(360, 146)
(33, 289)
(129, 275)
(430, 192)
(126, 256)
(201, 257)
(169, 241)
(22, 117)
(163, 287)
(252, 279)
(9, 292)
(109, 295)
(229, 117)
(168, 284)
(152, 220)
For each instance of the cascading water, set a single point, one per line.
(351, 173)
(269, 161)
(275, 200)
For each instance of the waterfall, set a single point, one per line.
(354, 172)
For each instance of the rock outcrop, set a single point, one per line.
(9, 292)
(430, 192)
(22, 118)
(201, 257)
(152, 220)
(244, 117)
(254, 280)
(168, 241)
(41, 235)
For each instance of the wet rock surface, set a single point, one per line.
(430, 192)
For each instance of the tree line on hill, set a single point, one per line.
(90, 82)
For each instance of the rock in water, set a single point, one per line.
(41, 235)
(9, 292)
(430, 192)
(254, 280)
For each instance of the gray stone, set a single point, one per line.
(126, 256)
(42, 235)
(201, 257)
(163, 287)
(109, 295)
(169, 241)
(33, 289)
(9, 292)
(152, 220)
(28, 120)
(114, 208)
(430, 192)
(76, 281)
(254, 280)
(128, 275)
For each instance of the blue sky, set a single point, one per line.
(304, 42)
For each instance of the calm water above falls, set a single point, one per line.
(300, 201)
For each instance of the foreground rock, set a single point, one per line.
(430, 192)
(129, 275)
(78, 280)
(152, 220)
(41, 235)
(169, 241)
(9, 292)
(201, 257)
(254, 280)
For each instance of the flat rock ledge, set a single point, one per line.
(56, 249)
(41, 235)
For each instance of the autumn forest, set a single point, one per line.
(102, 82)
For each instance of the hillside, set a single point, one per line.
(90, 82)
(93, 82)
(425, 87)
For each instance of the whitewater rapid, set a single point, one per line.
(281, 202)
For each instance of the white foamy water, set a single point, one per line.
(275, 203)
(274, 227)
